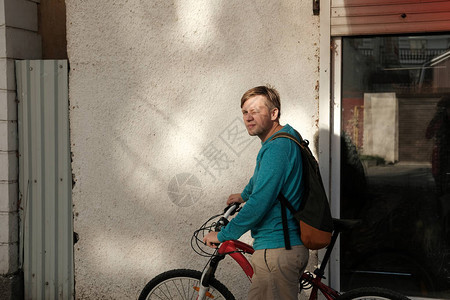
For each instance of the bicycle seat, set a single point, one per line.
(344, 224)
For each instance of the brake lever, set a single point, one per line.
(220, 224)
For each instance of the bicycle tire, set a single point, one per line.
(375, 293)
(181, 284)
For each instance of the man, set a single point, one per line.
(439, 128)
(278, 169)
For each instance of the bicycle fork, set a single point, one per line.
(207, 276)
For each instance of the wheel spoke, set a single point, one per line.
(192, 290)
(178, 288)
(182, 285)
(168, 291)
(163, 292)
(159, 296)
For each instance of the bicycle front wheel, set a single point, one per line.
(182, 284)
(371, 293)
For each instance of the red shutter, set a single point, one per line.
(366, 17)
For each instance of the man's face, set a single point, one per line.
(258, 118)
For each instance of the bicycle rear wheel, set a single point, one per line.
(369, 293)
(182, 284)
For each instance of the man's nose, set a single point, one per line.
(248, 117)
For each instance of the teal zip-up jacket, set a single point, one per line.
(278, 169)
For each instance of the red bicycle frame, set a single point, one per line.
(317, 284)
(236, 248)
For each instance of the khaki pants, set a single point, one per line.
(276, 273)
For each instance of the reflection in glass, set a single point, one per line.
(395, 163)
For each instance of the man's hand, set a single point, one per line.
(233, 198)
(210, 239)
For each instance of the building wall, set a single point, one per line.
(18, 40)
(156, 133)
(381, 112)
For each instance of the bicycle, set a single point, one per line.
(192, 284)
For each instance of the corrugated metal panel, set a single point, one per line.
(366, 17)
(45, 179)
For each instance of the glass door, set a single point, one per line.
(395, 163)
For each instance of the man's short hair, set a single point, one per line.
(271, 94)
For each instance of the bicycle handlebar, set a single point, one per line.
(231, 210)
(211, 225)
(227, 212)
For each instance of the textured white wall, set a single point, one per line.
(154, 92)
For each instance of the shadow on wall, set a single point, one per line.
(155, 126)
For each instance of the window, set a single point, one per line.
(395, 163)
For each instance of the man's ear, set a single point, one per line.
(274, 114)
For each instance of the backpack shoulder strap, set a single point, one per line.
(289, 136)
(304, 144)
(285, 204)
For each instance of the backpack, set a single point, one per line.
(314, 214)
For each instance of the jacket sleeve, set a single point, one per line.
(247, 190)
(267, 182)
